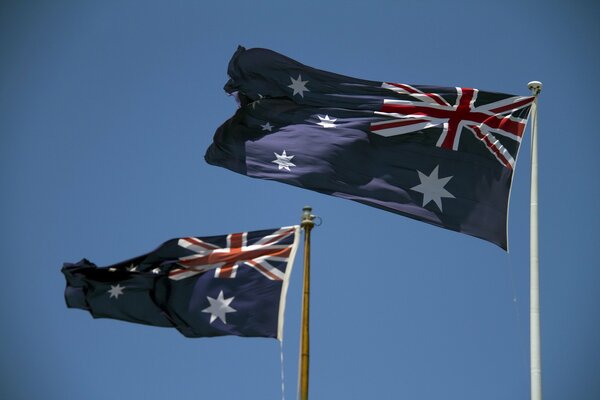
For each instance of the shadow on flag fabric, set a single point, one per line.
(232, 284)
(441, 155)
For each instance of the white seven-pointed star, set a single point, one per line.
(219, 308)
(432, 187)
(283, 160)
(132, 268)
(116, 291)
(327, 122)
(267, 127)
(299, 86)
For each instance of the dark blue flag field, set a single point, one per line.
(441, 155)
(233, 284)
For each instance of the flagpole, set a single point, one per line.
(307, 224)
(534, 260)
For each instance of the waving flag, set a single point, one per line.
(211, 286)
(441, 155)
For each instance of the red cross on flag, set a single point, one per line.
(225, 261)
(430, 110)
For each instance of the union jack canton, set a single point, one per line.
(485, 120)
(264, 254)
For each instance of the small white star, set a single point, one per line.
(299, 86)
(267, 127)
(327, 122)
(116, 291)
(219, 308)
(255, 102)
(132, 268)
(432, 188)
(283, 161)
(156, 271)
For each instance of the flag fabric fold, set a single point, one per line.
(232, 284)
(441, 155)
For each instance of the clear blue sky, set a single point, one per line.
(106, 109)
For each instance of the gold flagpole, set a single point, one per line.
(307, 224)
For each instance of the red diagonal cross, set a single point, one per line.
(225, 260)
(462, 114)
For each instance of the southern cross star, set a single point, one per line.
(283, 161)
(255, 102)
(327, 122)
(299, 86)
(219, 308)
(432, 188)
(267, 127)
(116, 291)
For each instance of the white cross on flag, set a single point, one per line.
(260, 254)
(428, 110)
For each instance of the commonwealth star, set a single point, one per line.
(116, 291)
(283, 161)
(432, 188)
(219, 308)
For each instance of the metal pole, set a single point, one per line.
(534, 265)
(307, 224)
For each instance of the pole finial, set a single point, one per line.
(535, 87)
(308, 219)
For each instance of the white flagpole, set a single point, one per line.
(534, 260)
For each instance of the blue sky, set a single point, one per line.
(106, 109)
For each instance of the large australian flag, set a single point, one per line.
(232, 284)
(441, 155)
